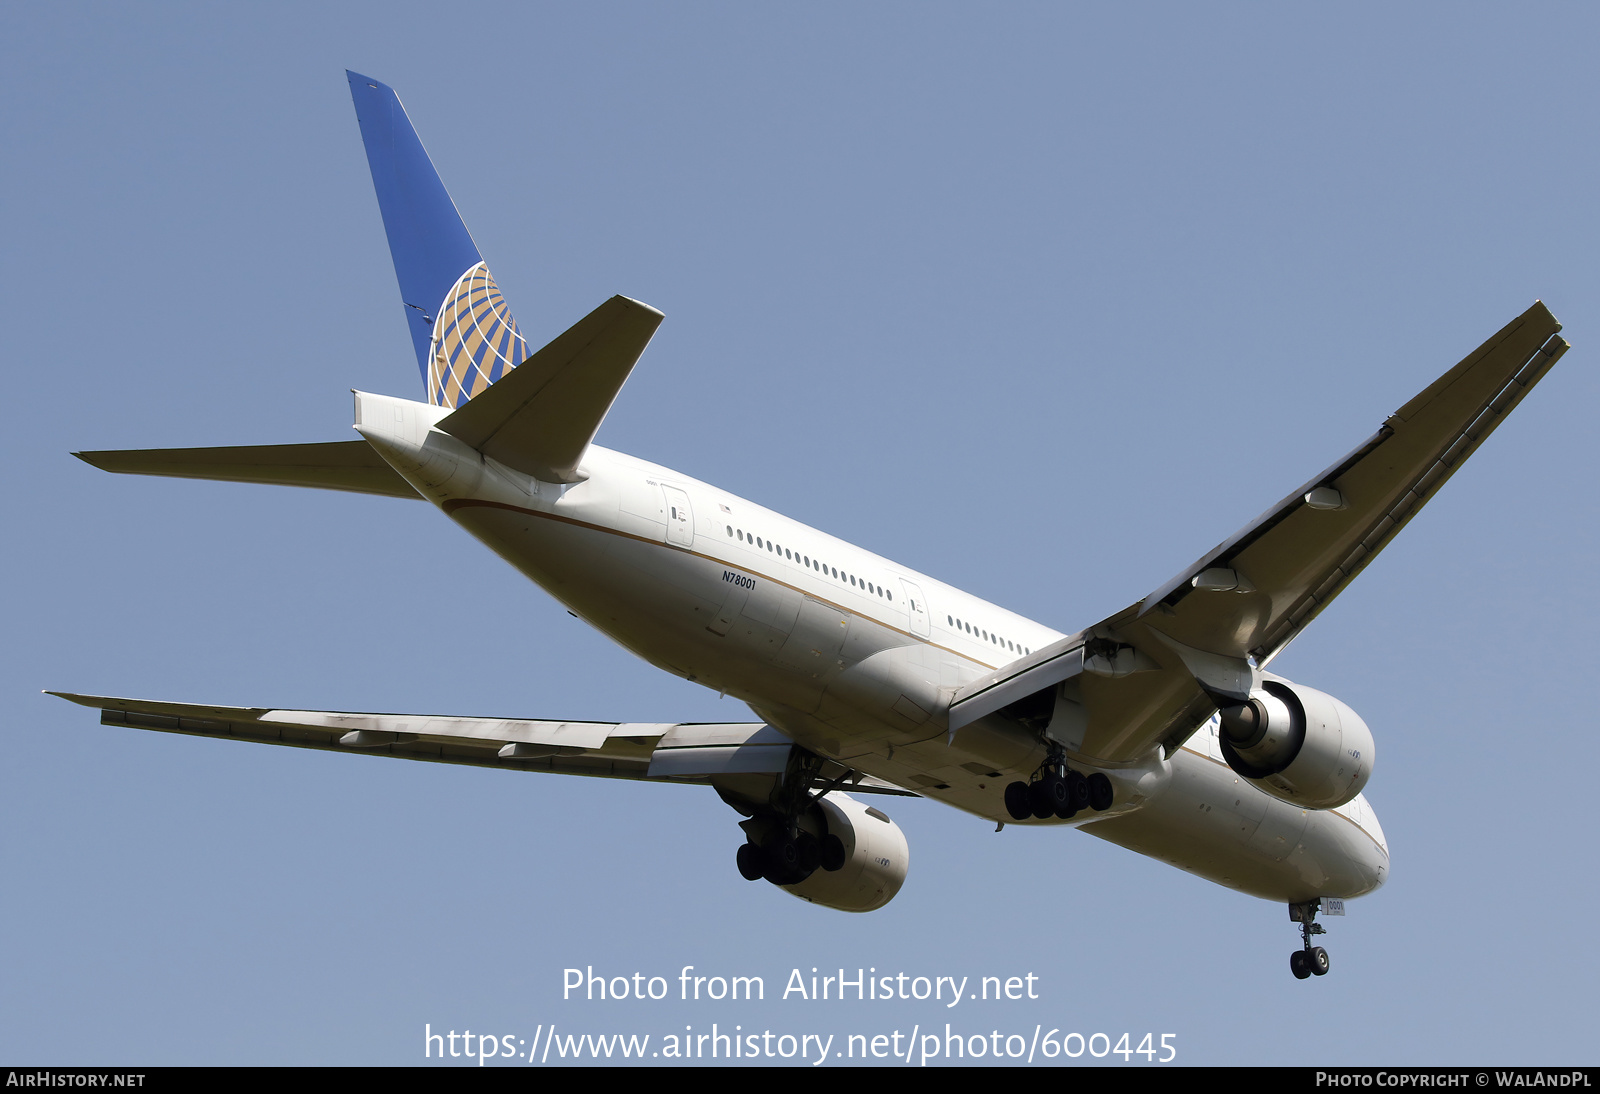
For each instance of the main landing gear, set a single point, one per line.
(1309, 960)
(1058, 791)
(787, 856)
(790, 841)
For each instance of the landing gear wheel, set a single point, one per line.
(783, 861)
(1067, 806)
(1044, 796)
(810, 852)
(751, 866)
(1077, 791)
(1309, 960)
(833, 855)
(1100, 794)
(1017, 801)
(1061, 795)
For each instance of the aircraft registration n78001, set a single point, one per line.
(1159, 728)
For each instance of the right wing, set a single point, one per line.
(720, 754)
(1152, 673)
(1252, 594)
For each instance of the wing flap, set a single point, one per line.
(1012, 683)
(540, 417)
(499, 731)
(334, 465)
(720, 750)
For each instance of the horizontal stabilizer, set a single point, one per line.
(334, 465)
(540, 417)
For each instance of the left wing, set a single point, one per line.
(697, 752)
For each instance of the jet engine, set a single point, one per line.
(842, 854)
(1298, 744)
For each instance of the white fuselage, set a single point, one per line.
(849, 654)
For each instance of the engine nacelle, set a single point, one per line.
(876, 858)
(1298, 744)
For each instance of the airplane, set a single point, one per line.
(1159, 729)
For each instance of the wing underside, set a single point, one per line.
(1252, 594)
(736, 756)
(1152, 673)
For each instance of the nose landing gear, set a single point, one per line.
(1309, 960)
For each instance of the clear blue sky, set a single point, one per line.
(1044, 300)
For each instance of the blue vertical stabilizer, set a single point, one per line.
(464, 335)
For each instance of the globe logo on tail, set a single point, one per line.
(475, 340)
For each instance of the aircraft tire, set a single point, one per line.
(1017, 803)
(1298, 965)
(785, 860)
(1318, 961)
(1066, 802)
(1077, 788)
(810, 849)
(1047, 795)
(1100, 793)
(751, 866)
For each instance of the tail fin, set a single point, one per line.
(462, 330)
